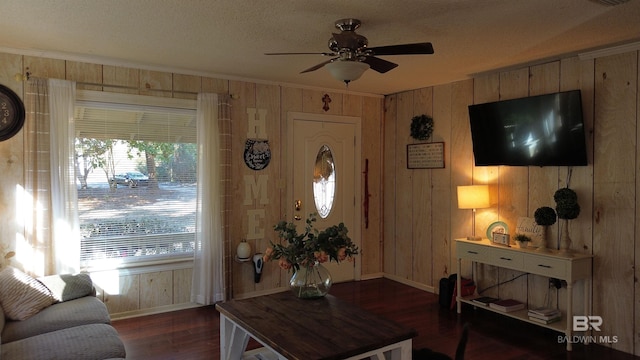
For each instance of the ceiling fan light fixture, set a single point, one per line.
(347, 71)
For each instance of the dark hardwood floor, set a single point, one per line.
(194, 333)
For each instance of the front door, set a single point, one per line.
(324, 165)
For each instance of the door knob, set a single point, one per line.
(298, 205)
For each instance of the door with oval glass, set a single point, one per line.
(323, 171)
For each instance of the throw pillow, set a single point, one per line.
(22, 296)
(68, 287)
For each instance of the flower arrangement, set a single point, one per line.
(296, 250)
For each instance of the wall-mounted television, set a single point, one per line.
(543, 130)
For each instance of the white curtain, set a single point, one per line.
(64, 197)
(208, 269)
(52, 237)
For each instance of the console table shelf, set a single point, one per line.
(550, 264)
(518, 314)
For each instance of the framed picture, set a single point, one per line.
(498, 233)
(501, 239)
(425, 156)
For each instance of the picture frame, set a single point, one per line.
(501, 239)
(425, 156)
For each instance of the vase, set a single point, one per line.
(311, 282)
(243, 250)
(565, 240)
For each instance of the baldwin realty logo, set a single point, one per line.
(586, 323)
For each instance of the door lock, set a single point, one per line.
(297, 205)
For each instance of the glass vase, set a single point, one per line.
(311, 282)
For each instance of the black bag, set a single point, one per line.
(446, 290)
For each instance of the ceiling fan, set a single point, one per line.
(351, 57)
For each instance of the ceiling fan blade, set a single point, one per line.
(379, 65)
(302, 53)
(316, 67)
(404, 49)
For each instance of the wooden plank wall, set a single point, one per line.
(608, 225)
(418, 247)
(131, 291)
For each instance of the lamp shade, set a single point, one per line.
(473, 197)
(346, 70)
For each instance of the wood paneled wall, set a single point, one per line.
(421, 217)
(420, 220)
(153, 288)
(278, 101)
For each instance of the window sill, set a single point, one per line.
(140, 267)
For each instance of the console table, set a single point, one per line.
(293, 328)
(550, 264)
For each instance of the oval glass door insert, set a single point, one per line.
(324, 181)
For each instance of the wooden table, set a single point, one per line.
(292, 328)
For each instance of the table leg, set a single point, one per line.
(459, 286)
(233, 339)
(569, 331)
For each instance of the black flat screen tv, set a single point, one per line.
(543, 130)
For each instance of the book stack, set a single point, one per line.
(507, 305)
(545, 315)
(484, 300)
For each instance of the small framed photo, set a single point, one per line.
(501, 239)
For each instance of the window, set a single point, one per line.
(136, 167)
(324, 181)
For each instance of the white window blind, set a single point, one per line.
(136, 168)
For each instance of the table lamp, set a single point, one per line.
(473, 197)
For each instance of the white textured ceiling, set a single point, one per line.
(228, 38)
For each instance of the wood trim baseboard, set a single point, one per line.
(153, 311)
(411, 283)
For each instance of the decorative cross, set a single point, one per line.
(326, 100)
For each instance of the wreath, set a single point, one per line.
(421, 127)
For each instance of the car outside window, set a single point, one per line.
(136, 182)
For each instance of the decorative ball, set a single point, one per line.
(421, 127)
(565, 195)
(570, 211)
(545, 216)
(566, 203)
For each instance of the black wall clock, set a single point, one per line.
(11, 113)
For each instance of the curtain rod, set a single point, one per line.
(27, 76)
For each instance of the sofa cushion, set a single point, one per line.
(88, 342)
(82, 311)
(22, 296)
(68, 287)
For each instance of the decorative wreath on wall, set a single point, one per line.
(421, 127)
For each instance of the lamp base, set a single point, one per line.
(474, 238)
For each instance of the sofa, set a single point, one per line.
(54, 317)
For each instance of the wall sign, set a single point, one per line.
(257, 153)
(425, 156)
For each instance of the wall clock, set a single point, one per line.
(11, 113)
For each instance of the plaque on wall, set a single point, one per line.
(257, 153)
(425, 156)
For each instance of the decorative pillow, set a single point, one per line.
(22, 296)
(68, 287)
